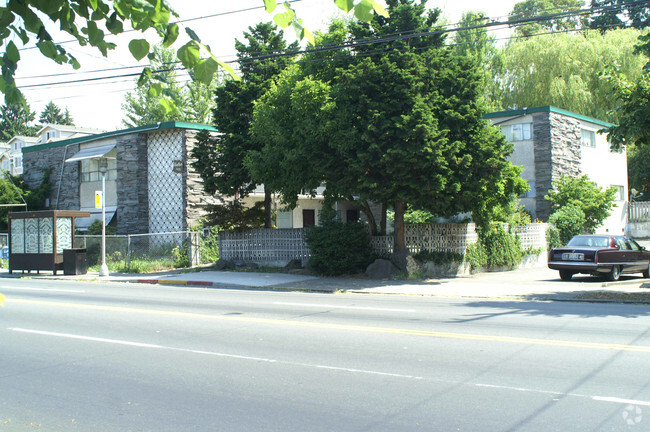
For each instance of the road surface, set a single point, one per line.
(127, 357)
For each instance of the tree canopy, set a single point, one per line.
(52, 114)
(553, 15)
(15, 120)
(402, 126)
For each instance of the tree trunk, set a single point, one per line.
(268, 202)
(365, 207)
(400, 237)
(383, 222)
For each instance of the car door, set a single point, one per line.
(637, 260)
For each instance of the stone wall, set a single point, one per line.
(557, 152)
(64, 194)
(195, 197)
(132, 174)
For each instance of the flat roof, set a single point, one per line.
(104, 135)
(548, 108)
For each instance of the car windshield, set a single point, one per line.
(591, 241)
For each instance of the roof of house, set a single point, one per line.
(70, 128)
(104, 135)
(548, 108)
(31, 140)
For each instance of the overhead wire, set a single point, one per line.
(386, 39)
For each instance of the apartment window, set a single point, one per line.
(90, 170)
(531, 191)
(620, 192)
(518, 132)
(588, 138)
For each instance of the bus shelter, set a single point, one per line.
(37, 239)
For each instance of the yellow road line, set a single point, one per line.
(346, 327)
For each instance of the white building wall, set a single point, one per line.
(606, 168)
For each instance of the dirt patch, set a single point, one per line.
(616, 296)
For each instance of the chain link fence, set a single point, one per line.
(141, 253)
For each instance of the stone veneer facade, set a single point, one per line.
(131, 183)
(557, 152)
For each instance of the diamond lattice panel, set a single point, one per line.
(166, 207)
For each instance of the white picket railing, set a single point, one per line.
(284, 245)
(639, 211)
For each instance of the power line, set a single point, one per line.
(377, 41)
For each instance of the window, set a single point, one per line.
(620, 192)
(90, 169)
(518, 132)
(588, 138)
(531, 191)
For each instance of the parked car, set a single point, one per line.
(600, 255)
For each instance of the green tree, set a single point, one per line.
(595, 203)
(541, 8)
(638, 170)
(474, 42)
(612, 14)
(405, 127)
(142, 107)
(13, 190)
(220, 159)
(51, 114)
(566, 71)
(15, 120)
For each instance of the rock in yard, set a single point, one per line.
(381, 269)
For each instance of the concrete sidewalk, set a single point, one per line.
(533, 284)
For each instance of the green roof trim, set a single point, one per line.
(129, 131)
(548, 108)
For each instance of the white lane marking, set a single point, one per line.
(621, 401)
(42, 289)
(562, 394)
(216, 354)
(330, 306)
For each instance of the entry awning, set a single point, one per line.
(92, 152)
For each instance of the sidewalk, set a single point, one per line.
(531, 284)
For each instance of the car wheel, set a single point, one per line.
(565, 275)
(646, 273)
(614, 274)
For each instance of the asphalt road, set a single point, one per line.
(122, 357)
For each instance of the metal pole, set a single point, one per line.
(103, 270)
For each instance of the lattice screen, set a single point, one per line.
(165, 158)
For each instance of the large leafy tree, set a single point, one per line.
(402, 126)
(553, 15)
(220, 159)
(566, 71)
(15, 120)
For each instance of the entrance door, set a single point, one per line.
(308, 218)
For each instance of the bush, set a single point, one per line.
(569, 221)
(476, 256)
(337, 248)
(553, 238)
(502, 248)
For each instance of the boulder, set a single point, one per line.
(223, 264)
(404, 261)
(381, 269)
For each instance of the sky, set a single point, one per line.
(98, 104)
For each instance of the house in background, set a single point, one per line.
(46, 134)
(16, 145)
(550, 142)
(5, 160)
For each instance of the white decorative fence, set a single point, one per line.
(283, 245)
(639, 211)
(263, 245)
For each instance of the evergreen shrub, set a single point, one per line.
(337, 248)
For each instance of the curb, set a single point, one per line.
(174, 282)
